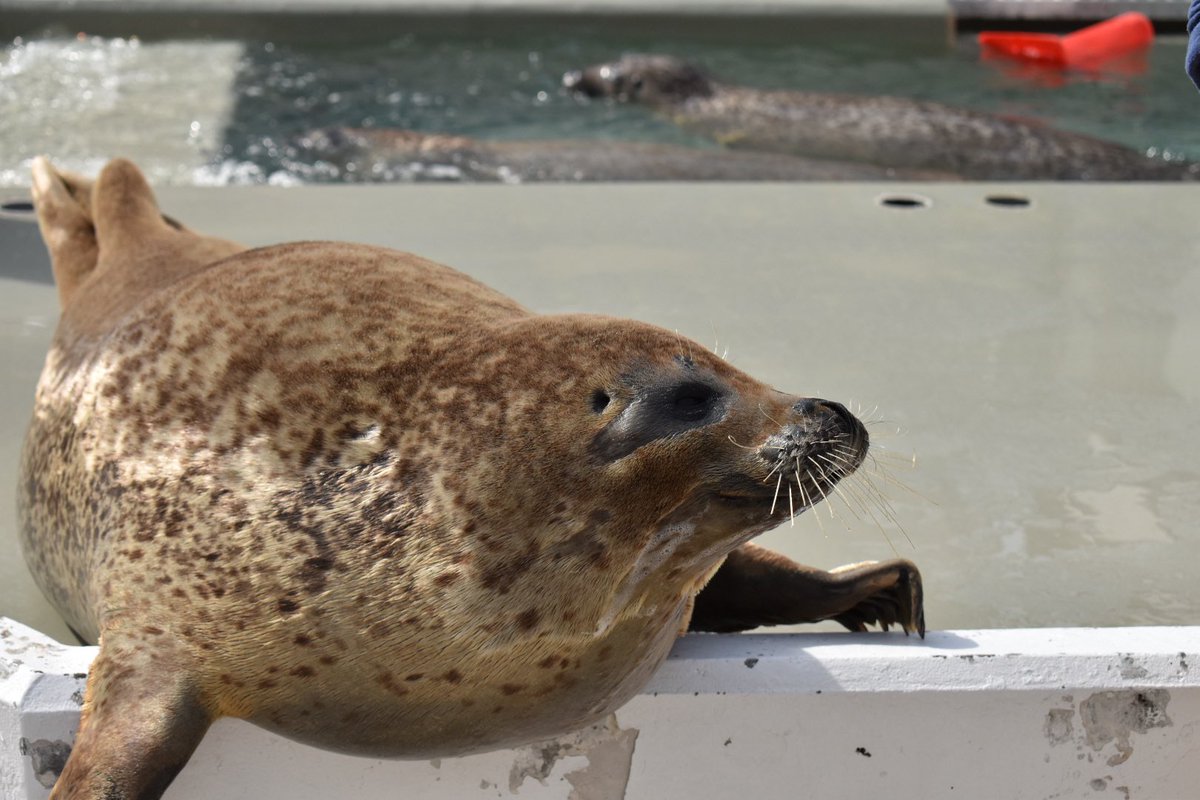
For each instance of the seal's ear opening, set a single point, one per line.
(600, 401)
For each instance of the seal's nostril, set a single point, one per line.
(842, 412)
(808, 406)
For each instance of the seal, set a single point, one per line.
(402, 155)
(361, 499)
(884, 130)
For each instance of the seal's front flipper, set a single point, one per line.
(755, 586)
(141, 721)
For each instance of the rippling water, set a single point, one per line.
(231, 112)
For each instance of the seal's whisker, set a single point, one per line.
(825, 495)
(808, 502)
(884, 429)
(887, 510)
(882, 451)
(724, 356)
(842, 457)
(869, 501)
(690, 345)
(894, 481)
(867, 507)
(791, 507)
(763, 411)
(742, 446)
(775, 499)
(855, 496)
(838, 475)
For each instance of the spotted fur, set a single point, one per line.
(359, 498)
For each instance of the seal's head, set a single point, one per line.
(684, 456)
(650, 79)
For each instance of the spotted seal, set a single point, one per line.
(884, 130)
(390, 154)
(363, 500)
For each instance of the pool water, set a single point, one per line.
(79, 99)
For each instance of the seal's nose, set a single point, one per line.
(814, 407)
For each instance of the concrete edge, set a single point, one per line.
(1038, 659)
(509, 7)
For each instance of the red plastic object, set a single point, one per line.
(1086, 46)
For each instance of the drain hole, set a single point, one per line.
(1008, 200)
(17, 207)
(905, 201)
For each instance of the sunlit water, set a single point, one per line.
(231, 112)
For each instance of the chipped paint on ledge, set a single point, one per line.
(606, 748)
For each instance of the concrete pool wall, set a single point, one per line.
(1039, 360)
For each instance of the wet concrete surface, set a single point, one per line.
(1041, 360)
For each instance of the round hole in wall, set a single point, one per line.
(1008, 200)
(905, 201)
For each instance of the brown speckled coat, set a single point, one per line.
(361, 499)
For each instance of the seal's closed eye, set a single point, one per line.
(661, 411)
(692, 401)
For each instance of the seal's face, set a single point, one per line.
(683, 458)
(815, 441)
(650, 79)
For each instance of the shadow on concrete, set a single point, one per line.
(23, 256)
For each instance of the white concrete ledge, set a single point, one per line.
(981, 714)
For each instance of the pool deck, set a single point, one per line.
(1040, 359)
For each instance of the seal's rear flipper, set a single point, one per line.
(141, 723)
(756, 586)
(125, 211)
(63, 203)
(111, 235)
